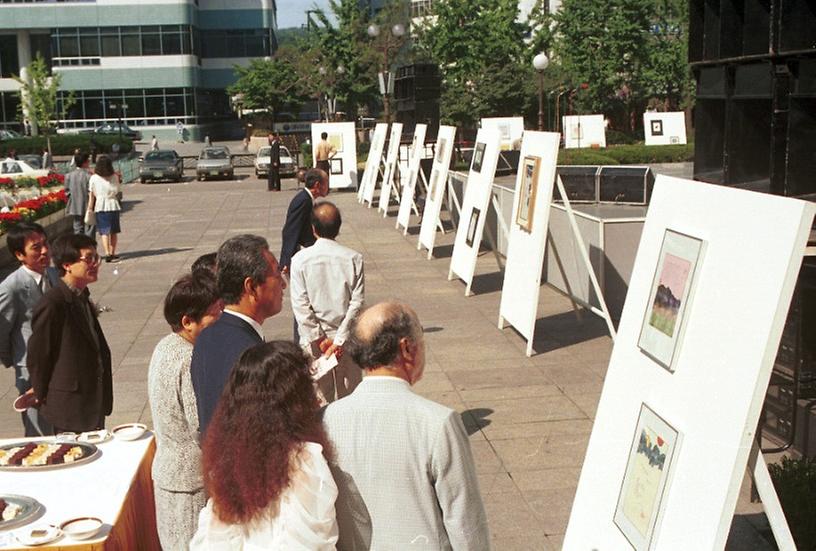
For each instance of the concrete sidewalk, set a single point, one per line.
(529, 418)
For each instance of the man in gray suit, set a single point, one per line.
(19, 293)
(403, 465)
(76, 186)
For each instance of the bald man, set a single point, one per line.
(327, 292)
(403, 464)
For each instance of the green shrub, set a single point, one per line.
(649, 154)
(65, 144)
(616, 137)
(795, 482)
(306, 154)
(585, 157)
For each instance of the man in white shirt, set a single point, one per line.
(327, 292)
(19, 293)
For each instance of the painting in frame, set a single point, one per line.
(440, 150)
(478, 157)
(657, 128)
(527, 192)
(669, 298)
(432, 184)
(644, 487)
(336, 140)
(470, 236)
(336, 164)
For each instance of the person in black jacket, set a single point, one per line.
(273, 173)
(250, 284)
(297, 230)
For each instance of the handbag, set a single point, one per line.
(90, 218)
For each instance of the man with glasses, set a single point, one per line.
(68, 356)
(19, 293)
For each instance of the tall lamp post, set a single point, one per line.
(540, 63)
(390, 41)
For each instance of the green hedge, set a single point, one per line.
(637, 154)
(65, 144)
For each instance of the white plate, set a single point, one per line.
(39, 534)
(95, 436)
(81, 528)
(129, 431)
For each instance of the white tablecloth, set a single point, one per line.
(96, 489)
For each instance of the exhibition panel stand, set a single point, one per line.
(437, 184)
(415, 155)
(661, 128)
(474, 207)
(373, 165)
(510, 130)
(583, 131)
(390, 167)
(698, 335)
(343, 165)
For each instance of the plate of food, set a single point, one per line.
(39, 534)
(18, 510)
(41, 455)
(95, 436)
(129, 431)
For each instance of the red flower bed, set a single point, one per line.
(33, 209)
(6, 183)
(53, 179)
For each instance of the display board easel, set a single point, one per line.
(510, 130)
(688, 374)
(474, 207)
(415, 155)
(390, 167)
(343, 165)
(373, 164)
(528, 233)
(438, 183)
(583, 131)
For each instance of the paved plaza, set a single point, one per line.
(529, 418)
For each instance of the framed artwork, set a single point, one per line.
(432, 184)
(337, 141)
(657, 128)
(669, 298)
(527, 192)
(640, 503)
(674, 139)
(440, 149)
(336, 164)
(576, 132)
(478, 157)
(374, 143)
(470, 236)
(504, 132)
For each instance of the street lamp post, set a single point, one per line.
(390, 40)
(540, 62)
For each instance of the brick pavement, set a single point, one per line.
(529, 418)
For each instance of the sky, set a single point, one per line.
(292, 13)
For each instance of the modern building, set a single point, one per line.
(151, 62)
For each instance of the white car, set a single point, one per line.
(287, 167)
(12, 168)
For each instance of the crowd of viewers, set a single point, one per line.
(257, 447)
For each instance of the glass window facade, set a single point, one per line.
(8, 56)
(83, 46)
(9, 110)
(237, 43)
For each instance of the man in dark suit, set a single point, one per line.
(251, 286)
(19, 294)
(68, 357)
(273, 174)
(297, 230)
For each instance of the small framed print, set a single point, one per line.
(576, 132)
(336, 164)
(674, 139)
(336, 140)
(432, 184)
(527, 192)
(440, 149)
(478, 157)
(657, 128)
(643, 489)
(470, 236)
(504, 131)
(668, 303)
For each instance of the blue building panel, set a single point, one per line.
(234, 19)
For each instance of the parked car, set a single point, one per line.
(6, 134)
(16, 168)
(112, 129)
(214, 161)
(287, 168)
(164, 164)
(35, 161)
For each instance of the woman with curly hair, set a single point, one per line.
(265, 459)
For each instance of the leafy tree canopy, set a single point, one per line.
(270, 84)
(39, 91)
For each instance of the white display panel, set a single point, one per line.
(436, 187)
(664, 128)
(343, 172)
(390, 166)
(415, 155)
(528, 231)
(752, 247)
(373, 162)
(583, 131)
(510, 130)
(474, 206)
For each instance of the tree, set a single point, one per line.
(270, 84)
(618, 54)
(38, 92)
(483, 57)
